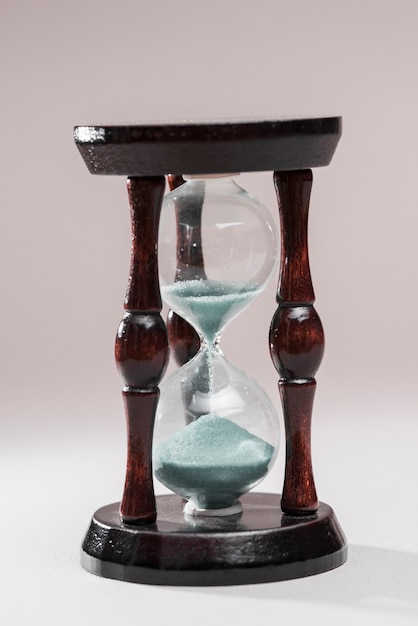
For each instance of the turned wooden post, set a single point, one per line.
(296, 340)
(141, 348)
(184, 340)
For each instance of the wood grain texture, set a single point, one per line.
(261, 545)
(150, 540)
(141, 349)
(296, 340)
(145, 199)
(213, 147)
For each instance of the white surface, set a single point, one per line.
(59, 487)
(64, 257)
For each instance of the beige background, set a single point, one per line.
(65, 254)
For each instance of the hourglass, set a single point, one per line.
(217, 249)
(209, 433)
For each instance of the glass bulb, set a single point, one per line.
(217, 250)
(216, 434)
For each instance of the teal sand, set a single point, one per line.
(212, 462)
(209, 304)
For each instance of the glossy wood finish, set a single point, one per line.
(261, 545)
(296, 340)
(246, 145)
(184, 340)
(141, 349)
(275, 538)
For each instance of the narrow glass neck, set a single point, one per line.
(210, 343)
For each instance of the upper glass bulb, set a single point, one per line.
(217, 250)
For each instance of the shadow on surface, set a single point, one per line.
(374, 578)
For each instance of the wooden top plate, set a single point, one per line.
(209, 147)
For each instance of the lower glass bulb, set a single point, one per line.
(216, 433)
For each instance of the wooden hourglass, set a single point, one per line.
(215, 247)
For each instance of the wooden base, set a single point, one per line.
(260, 545)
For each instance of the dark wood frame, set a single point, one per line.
(150, 540)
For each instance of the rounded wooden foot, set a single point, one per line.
(260, 545)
